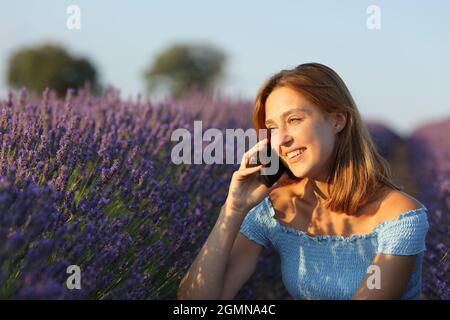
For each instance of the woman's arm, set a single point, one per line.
(205, 277)
(226, 260)
(387, 277)
(399, 243)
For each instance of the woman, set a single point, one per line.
(342, 228)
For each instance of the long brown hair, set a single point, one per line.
(358, 171)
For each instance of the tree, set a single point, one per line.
(182, 67)
(50, 66)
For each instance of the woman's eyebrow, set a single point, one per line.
(286, 113)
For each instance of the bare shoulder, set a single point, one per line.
(397, 202)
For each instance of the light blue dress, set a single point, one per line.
(331, 266)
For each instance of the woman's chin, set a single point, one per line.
(298, 174)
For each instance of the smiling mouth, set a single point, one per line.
(295, 155)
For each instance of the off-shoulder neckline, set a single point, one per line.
(333, 237)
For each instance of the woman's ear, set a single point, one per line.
(339, 120)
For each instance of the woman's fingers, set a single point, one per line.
(248, 171)
(253, 150)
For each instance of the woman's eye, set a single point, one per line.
(290, 120)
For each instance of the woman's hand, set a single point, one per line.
(246, 190)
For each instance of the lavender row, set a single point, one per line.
(127, 216)
(430, 162)
(384, 138)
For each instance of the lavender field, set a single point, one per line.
(89, 181)
(430, 167)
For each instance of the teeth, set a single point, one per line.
(294, 153)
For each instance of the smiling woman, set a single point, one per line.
(333, 217)
(311, 107)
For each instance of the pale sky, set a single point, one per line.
(398, 74)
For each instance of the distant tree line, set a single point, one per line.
(176, 69)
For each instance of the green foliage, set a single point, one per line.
(181, 68)
(50, 66)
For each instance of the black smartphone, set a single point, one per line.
(270, 179)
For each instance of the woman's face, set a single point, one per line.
(295, 123)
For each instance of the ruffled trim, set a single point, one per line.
(328, 237)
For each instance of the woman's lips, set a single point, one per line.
(298, 157)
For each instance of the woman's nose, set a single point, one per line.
(284, 137)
